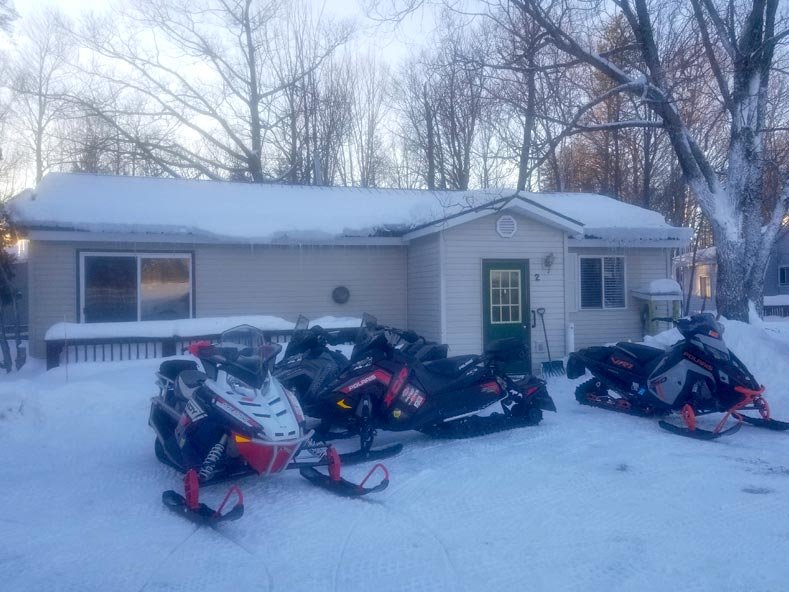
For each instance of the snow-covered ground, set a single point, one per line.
(588, 500)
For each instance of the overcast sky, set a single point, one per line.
(392, 42)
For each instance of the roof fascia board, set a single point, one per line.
(641, 244)
(103, 237)
(517, 204)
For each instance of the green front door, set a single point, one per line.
(505, 303)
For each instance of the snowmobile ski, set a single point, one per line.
(190, 507)
(770, 424)
(698, 433)
(336, 484)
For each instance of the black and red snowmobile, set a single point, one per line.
(456, 397)
(696, 376)
(221, 415)
(309, 366)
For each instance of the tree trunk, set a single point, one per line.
(731, 295)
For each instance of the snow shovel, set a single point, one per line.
(551, 367)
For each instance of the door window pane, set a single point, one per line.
(505, 304)
(164, 288)
(110, 289)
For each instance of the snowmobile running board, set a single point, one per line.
(336, 484)
(698, 434)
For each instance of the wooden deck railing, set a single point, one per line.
(116, 349)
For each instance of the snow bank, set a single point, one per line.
(184, 327)
(245, 212)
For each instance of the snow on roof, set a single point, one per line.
(703, 256)
(225, 211)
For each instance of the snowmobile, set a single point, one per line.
(697, 376)
(309, 366)
(221, 415)
(456, 397)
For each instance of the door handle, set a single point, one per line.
(533, 319)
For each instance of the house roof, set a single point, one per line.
(213, 211)
(703, 257)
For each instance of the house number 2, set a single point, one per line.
(536, 277)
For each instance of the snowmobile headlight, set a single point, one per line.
(240, 387)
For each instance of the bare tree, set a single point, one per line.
(733, 201)
(208, 68)
(39, 75)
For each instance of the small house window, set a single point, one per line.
(117, 287)
(704, 287)
(602, 282)
(783, 275)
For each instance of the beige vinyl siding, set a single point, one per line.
(238, 280)
(424, 286)
(596, 326)
(288, 281)
(465, 248)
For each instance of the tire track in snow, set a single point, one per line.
(449, 563)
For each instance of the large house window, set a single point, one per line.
(135, 286)
(602, 282)
(783, 275)
(704, 287)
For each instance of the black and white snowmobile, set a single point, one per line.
(457, 397)
(696, 376)
(221, 415)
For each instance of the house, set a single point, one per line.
(700, 277)
(460, 267)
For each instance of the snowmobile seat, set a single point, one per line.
(188, 382)
(170, 369)
(508, 349)
(643, 353)
(448, 374)
(450, 367)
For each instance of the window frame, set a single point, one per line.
(139, 256)
(500, 306)
(780, 268)
(602, 282)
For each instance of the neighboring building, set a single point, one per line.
(703, 281)
(700, 280)
(459, 267)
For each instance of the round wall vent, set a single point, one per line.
(506, 226)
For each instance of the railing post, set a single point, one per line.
(54, 349)
(168, 346)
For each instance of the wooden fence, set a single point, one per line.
(116, 349)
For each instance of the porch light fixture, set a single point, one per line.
(506, 226)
